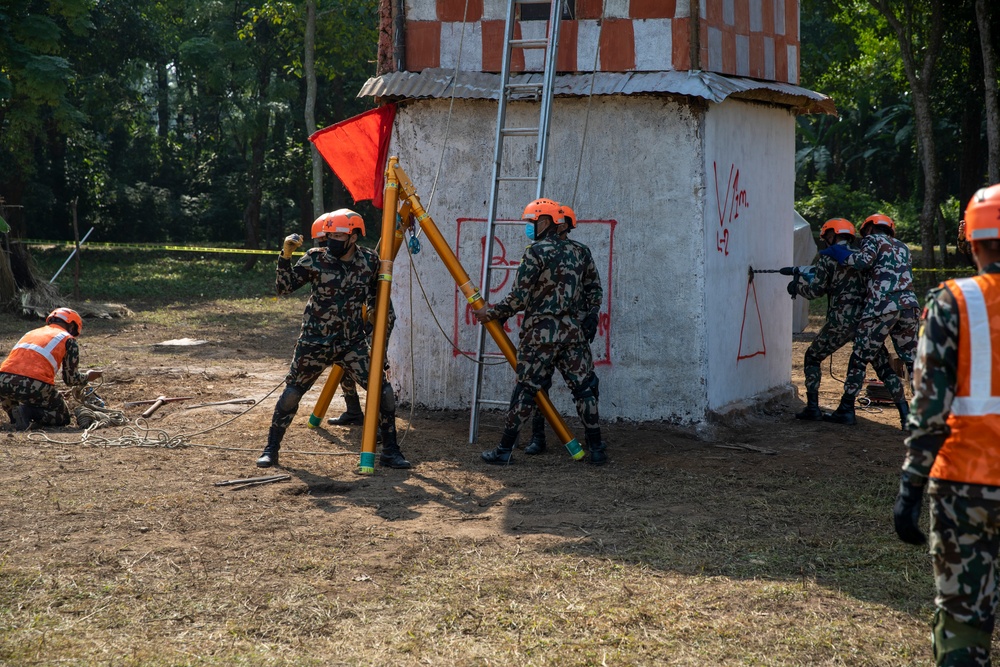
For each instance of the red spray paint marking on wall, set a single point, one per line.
(469, 235)
(728, 207)
(760, 325)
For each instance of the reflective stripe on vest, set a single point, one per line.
(971, 453)
(46, 351)
(38, 354)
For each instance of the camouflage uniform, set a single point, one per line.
(891, 307)
(556, 282)
(51, 408)
(965, 518)
(846, 290)
(333, 332)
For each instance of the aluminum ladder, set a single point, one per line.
(515, 200)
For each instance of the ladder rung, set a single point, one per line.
(532, 2)
(496, 355)
(503, 267)
(509, 222)
(526, 86)
(529, 43)
(520, 131)
(491, 402)
(517, 178)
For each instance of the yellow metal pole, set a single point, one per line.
(325, 396)
(473, 296)
(379, 335)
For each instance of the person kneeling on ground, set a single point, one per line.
(28, 391)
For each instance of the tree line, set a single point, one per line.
(175, 119)
(161, 120)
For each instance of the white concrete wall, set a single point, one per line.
(749, 181)
(641, 181)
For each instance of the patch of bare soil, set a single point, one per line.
(151, 520)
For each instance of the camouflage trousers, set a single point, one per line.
(965, 540)
(52, 409)
(535, 367)
(350, 387)
(835, 335)
(900, 326)
(308, 363)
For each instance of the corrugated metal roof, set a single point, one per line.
(441, 83)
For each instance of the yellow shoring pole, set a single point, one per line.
(473, 296)
(325, 396)
(379, 335)
(337, 371)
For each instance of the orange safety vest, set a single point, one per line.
(38, 354)
(971, 453)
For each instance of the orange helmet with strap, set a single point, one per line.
(982, 215)
(838, 226)
(879, 220)
(540, 207)
(68, 316)
(343, 221)
(566, 216)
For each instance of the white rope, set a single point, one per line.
(590, 99)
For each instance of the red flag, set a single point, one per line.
(356, 149)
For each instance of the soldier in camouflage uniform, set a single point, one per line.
(588, 322)
(28, 392)
(891, 307)
(344, 279)
(846, 290)
(556, 284)
(953, 451)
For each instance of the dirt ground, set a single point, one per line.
(108, 511)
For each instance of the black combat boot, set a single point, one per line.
(811, 411)
(844, 414)
(24, 415)
(597, 447)
(391, 456)
(904, 412)
(270, 456)
(537, 443)
(354, 414)
(501, 454)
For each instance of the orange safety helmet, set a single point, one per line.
(343, 220)
(566, 216)
(838, 226)
(317, 227)
(68, 316)
(879, 220)
(982, 215)
(540, 207)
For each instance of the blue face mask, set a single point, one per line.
(529, 231)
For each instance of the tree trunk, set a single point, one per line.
(920, 75)
(992, 110)
(309, 71)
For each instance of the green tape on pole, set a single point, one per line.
(156, 246)
(4, 227)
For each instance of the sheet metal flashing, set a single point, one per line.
(443, 83)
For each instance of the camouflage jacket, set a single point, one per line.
(341, 293)
(886, 262)
(71, 374)
(934, 380)
(557, 285)
(843, 284)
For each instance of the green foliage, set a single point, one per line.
(827, 201)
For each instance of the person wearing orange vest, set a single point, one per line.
(953, 451)
(28, 375)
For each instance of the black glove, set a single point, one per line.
(793, 288)
(589, 326)
(906, 510)
(788, 270)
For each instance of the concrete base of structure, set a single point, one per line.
(732, 414)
